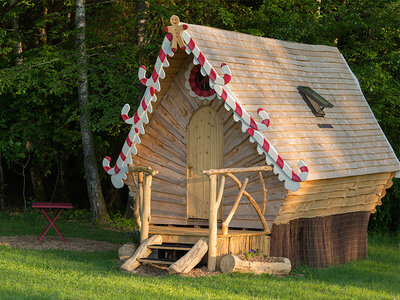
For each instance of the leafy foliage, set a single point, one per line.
(38, 102)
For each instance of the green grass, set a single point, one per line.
(50, 274)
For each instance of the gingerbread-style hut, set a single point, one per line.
(246, 142)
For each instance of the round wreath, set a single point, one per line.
(199, 84)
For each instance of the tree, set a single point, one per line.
(95, 193)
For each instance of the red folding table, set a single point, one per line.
(48, 205)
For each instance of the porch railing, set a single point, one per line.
(215, 202)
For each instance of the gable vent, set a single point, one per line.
(315, 101)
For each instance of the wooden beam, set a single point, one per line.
(264, 206)
(143, 169)
(220, 193)
(237, 170)
(225, 224)
(251, 200)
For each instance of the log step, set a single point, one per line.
(155, 261)
(168, 247)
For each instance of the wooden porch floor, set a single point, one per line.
(236, 241)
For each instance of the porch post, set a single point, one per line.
(144, 233)
(212, 240)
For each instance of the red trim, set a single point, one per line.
(253, 124)
(266, 122)
(279, 161)
(154, 75)
(136, 130)
(143, 81)
(304, 169)
(162, 55)
(166, 29)
(169, 36)
(108, 158)
(122, 156)
(144, 106)
(201, 59)
(124, 117)
(213, 75)
(128, 141)
(295, 177)
(224, 95)
(185, 26)
(117, 169)
(266, 145)
(136, 118)
(250, 131)
(107, 168)
(238, 109)
(227, 78)
(152, 91)
(191, 44)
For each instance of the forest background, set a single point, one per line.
(41, 152)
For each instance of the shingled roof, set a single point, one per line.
(265, 74)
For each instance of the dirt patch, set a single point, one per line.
(52, 242)
(161, 271)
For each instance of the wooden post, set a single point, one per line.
(212, 240)
(144, 233)
(264, 205)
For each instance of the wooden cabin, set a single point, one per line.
(225, 123)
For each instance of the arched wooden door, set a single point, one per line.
(205, 150)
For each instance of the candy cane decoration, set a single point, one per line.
(249, 125)
(118, 172)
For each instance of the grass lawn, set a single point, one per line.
(49, 274)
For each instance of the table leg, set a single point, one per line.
(51, 223)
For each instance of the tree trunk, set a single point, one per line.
(37, 182)
(18, 44)
(2, 197)
(141, 12)
(98, 208)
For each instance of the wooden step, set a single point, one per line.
(155, 261)
(171, 247)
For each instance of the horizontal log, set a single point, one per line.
(143, 169)
(237, 170)
(273, 266)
